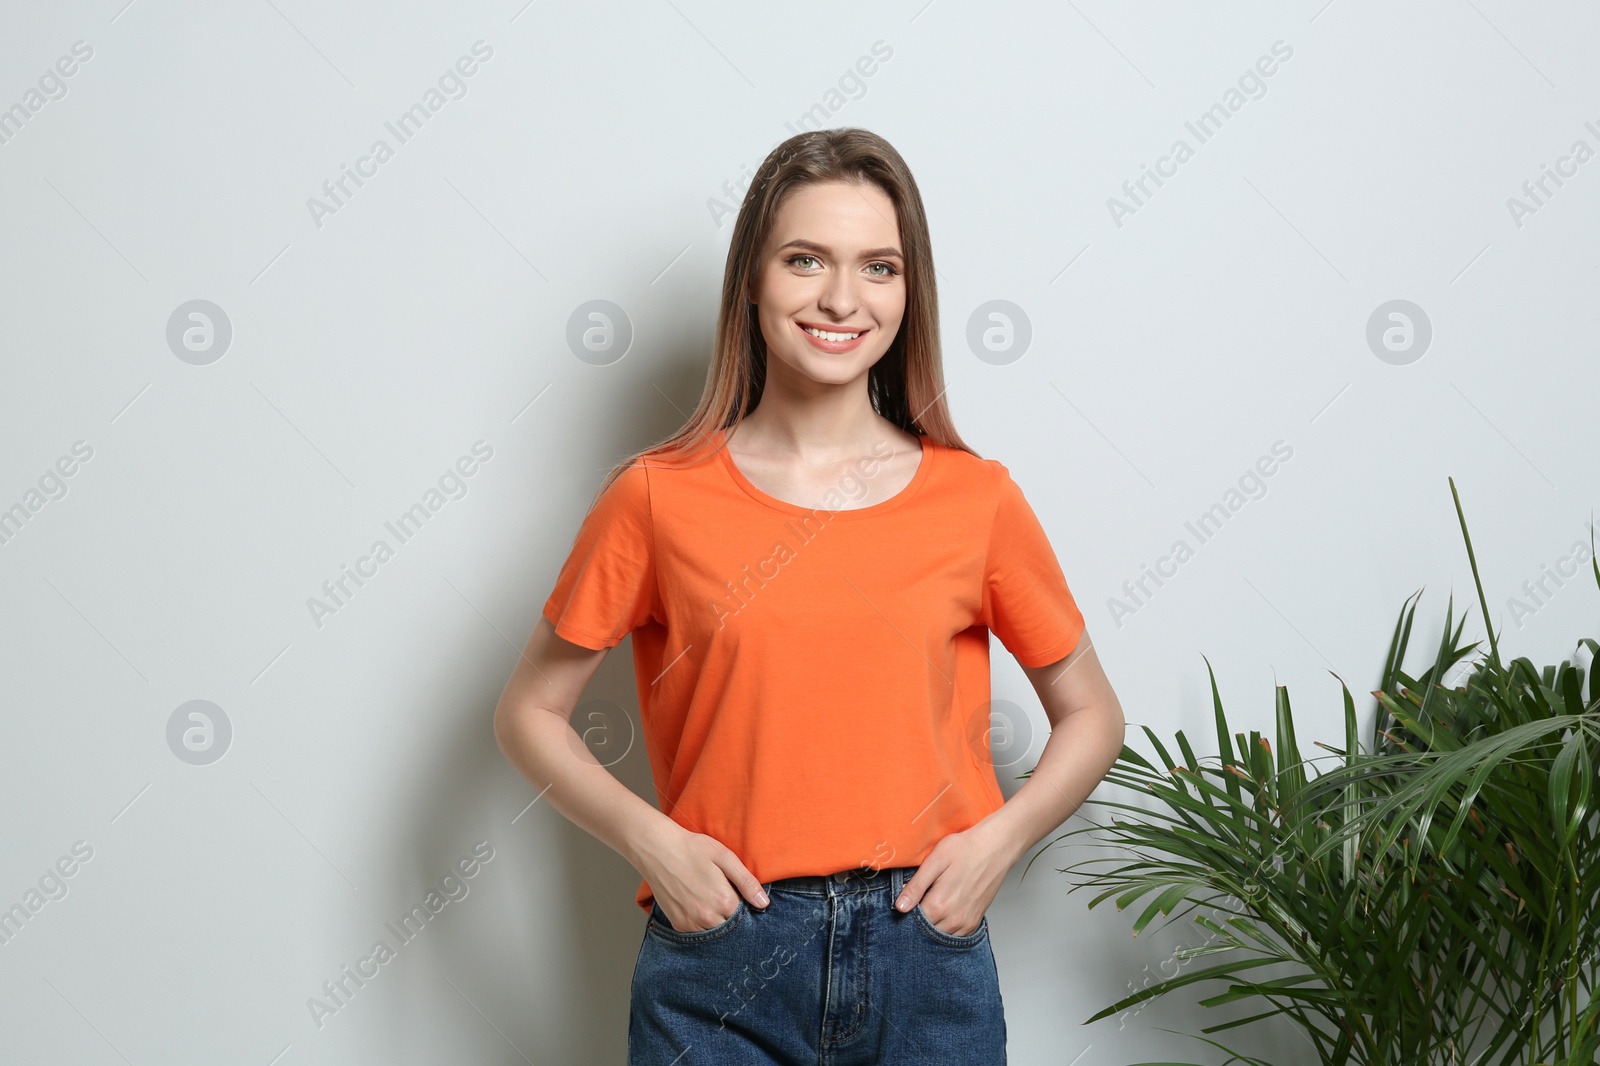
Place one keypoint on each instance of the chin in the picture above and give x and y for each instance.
(835, 371)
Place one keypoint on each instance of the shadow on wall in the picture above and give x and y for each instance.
(532, 948)
(541, 954)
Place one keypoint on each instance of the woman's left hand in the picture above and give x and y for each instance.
(959, 879)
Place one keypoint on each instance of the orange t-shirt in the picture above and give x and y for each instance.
(814, 684)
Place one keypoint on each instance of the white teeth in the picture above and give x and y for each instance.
(825, 335)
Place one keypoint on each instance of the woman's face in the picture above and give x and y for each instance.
(832, 262)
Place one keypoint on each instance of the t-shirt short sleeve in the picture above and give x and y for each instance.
(1026, 601)
(606, 587)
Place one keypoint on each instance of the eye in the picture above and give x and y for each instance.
(889, 270)
(793, 258)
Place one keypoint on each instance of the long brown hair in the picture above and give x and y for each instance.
(906, 386)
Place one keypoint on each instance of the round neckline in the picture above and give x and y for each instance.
(756, 493)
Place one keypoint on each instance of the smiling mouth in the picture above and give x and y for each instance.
(834, 336)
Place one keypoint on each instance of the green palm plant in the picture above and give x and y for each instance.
(1432, 897)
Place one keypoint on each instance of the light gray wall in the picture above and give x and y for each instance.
(373, 345)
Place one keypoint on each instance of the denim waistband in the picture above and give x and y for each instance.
(844, 882)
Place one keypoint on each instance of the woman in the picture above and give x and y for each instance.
(810, 569)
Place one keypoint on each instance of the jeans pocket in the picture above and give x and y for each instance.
(661, 926)
(939, 936)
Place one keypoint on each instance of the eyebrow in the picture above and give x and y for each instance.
(870, 253)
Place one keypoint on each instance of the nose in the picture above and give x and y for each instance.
(838, 297)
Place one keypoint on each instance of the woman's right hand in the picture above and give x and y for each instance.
(696, 879)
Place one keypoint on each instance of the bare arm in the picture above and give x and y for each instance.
(533, 725)
(965, 870)
(1086, 736)
(692, 875)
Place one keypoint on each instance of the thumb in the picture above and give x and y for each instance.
(912, 891)
(743, 881)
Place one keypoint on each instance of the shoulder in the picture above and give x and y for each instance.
(624, 493)
(629, 481)
(973, 474)
(657, 476)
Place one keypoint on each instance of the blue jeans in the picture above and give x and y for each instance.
(827, 974)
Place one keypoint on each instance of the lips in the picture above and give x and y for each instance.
(832, 347)
(829, 329)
